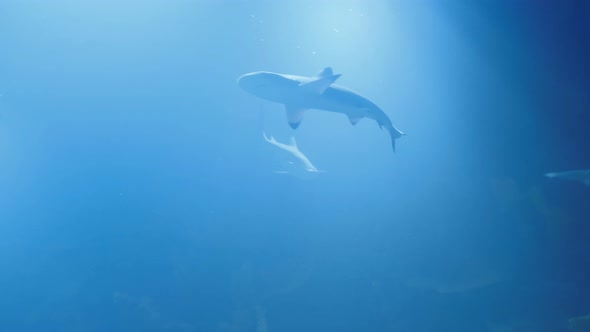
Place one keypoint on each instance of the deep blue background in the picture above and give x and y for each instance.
(137, 193)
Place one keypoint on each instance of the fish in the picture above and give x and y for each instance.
(582, 175)
(301, 93)
(300, 166)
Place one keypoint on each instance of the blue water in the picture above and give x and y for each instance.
(137, 192)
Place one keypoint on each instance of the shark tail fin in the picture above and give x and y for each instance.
(268, 139)
(395, 134)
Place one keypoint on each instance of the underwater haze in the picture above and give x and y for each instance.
(138, 192)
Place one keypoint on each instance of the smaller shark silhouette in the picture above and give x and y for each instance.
(582, 175)
(301, 167)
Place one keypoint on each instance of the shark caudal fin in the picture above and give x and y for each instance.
(395, 134)
(268, 139)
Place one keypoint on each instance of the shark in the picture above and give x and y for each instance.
(301, 93)
(301, 167)
(582, 175)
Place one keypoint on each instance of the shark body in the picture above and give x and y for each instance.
(299, 166)
(582, 175)
(300, 93)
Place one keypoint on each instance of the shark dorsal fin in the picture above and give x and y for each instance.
(320, 84)
(326, 72)
(292, 141)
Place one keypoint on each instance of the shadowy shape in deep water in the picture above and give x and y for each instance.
(457, 283)
(300, 93)
(582, 175)
(299, 166)
(579, 324)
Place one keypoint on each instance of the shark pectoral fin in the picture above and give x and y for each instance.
(294, 115)
(319, 85)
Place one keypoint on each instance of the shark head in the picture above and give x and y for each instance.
(267, 85)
